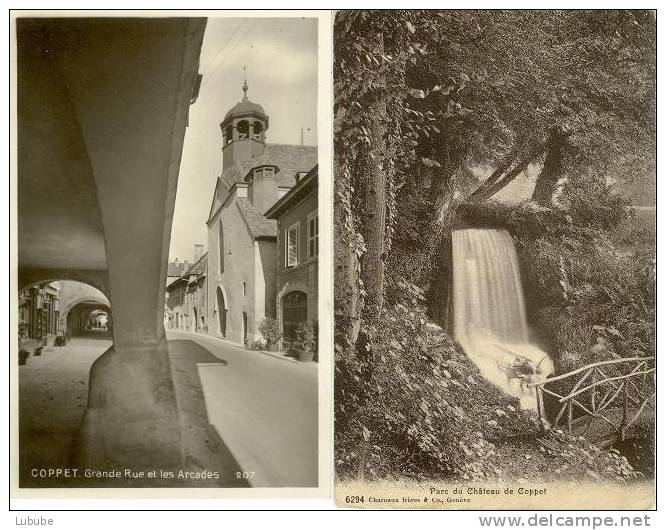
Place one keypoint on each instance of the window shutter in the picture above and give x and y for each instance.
(313, 235)
(292, 247)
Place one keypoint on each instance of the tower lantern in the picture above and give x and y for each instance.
(243, 130)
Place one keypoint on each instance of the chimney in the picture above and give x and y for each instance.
(198, 251)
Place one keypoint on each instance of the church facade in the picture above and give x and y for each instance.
(242, 260)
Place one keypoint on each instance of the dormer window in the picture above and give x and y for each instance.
(264, 172)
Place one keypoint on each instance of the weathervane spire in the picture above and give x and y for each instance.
(244, 84)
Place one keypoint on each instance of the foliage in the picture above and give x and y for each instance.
(416, 418)
(560, 456)
(431, 415)
(306, 335)
(270, 329)
(513, 75)
(259, 345)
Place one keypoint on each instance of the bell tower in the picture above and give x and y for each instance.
(243, 131)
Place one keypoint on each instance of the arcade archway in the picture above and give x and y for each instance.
(65, 326)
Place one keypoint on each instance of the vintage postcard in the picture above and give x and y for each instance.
(495, 259)
(168, 317)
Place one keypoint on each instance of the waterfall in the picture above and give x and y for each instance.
(489, 312)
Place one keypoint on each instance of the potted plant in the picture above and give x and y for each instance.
(23, 357)
(306, 335)
(270, 329)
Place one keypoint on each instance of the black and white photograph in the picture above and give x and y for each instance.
(495, 259)
(167, 251)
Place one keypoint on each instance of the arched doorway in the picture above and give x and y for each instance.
(244, 327)
(294, 311)
(221, 313)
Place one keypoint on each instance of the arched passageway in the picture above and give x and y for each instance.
(66, 328)
(89, 319)
(92, 118)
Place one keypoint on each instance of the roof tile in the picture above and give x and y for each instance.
(290, 159)
(259, 226)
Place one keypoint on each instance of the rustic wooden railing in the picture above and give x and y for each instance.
(617, 400)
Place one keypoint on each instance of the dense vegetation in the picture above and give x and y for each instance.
(435, 114)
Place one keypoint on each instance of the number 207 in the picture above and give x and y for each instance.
(244, 474)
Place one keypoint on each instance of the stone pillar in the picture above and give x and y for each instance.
(132, 108)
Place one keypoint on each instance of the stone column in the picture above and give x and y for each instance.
(132, 108)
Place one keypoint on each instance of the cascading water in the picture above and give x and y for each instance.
(489, 313)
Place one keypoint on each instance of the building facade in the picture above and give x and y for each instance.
(297, 220)
(39, 312)
(242, 241)
(175, 269)
(64, 306)
(186, 298)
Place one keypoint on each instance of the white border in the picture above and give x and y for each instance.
(195, 498)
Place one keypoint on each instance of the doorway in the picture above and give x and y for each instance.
(221, 313)
(294, 311)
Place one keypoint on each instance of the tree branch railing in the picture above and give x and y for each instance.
(598, 395)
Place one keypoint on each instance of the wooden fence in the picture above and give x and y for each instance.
(616, 392)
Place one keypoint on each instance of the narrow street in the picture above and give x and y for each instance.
(264, 409)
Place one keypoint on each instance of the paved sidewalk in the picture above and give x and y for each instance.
(53, 395)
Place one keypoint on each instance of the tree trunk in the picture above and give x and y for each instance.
(347, 298)
(553, 168)
(374, 215)
(504, 165)
(485, 191)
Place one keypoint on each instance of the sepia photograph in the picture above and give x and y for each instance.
(495, 259)
(459, 319)
(167, 251)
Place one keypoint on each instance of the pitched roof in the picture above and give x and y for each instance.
(259, 226)
(177, 269)
(199, 266)
(290, 159)
(189, 273)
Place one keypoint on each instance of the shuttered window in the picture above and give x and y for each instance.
(313, 235)
(291, 245)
